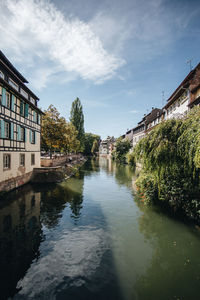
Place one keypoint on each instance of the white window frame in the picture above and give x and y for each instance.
(22, 159)
(6, 161)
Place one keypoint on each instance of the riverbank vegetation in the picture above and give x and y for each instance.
(170, 156)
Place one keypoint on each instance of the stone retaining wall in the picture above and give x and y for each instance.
(16, 182)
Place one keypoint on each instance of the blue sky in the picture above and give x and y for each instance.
(116, 56)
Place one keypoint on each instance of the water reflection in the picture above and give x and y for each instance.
(62, 248)
(88, 238)
(174, 270)
(20, 237)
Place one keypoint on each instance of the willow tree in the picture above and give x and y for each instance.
(77, 119)
(170, 155)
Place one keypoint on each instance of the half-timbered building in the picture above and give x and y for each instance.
(20, 127)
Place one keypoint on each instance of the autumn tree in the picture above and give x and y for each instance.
(77, 119)
(71, 144)
(52, 130)
(57, 133)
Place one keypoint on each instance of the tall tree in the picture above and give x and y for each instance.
(77, 119)
(53, 130)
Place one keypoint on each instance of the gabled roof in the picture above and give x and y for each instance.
(182, 86)
(154, 114)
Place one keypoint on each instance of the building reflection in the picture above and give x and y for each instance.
(20, 237)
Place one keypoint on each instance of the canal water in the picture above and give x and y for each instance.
(89, 238)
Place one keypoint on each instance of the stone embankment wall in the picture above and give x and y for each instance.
(59, 160)
(56, 173)
(13, 183)
(54, 170)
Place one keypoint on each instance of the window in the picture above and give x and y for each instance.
(8, 102)
(1, 75)
(32, 159)
(32, 100)
(32, 137)
(22, 134)
(22, 160)
(13, 84)
(6, 161)
(7, 130)
(24, 93)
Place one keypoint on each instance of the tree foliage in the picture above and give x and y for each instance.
(77, 119)
(95, 147)
(170, 155)
(56, 133)
(122, 147)
(89, 140)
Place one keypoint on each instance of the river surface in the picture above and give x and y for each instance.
(89, 238)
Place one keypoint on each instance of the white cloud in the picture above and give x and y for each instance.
(36, 33)
(134, 111)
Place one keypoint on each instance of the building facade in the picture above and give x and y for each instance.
(185, 97)
(107, 146)
(20, 128)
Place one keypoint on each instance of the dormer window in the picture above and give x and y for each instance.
(24, 93)
(1, 75)
(32, 100)
(13, 84)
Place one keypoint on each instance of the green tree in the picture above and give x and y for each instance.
(122, 147)
(95, 147)
(71, 143)
(171, 170)
(77, 119)
(53, 129)
(89, 139)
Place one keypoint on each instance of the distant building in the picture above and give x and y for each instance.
(20, 127)
(186, 96)
(106, 146)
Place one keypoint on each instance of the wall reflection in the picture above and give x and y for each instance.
(20, 237)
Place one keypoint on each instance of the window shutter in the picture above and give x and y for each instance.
(25, 135)
(30, 136)
(26, 110)
(21, 108)
(35, 137)
(4, 96)
(2, 129)
(11, 131)
(13, 103)
(18, 133)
